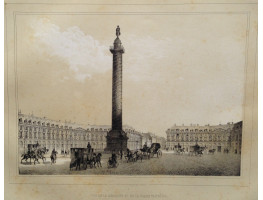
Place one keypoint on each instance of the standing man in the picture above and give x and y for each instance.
(145, 146)
(89, 147)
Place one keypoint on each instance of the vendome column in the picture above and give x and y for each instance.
(116, 137)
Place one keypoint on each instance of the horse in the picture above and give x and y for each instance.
(97, 160)
(25, 156)
(146, 152)
(89, 159)
(41, 153)
(131, 157)
(211, 151)
(30, 155)
(180, 151)
(199, 152)
(72, 164)
(139, 155)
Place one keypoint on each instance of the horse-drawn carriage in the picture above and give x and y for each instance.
(155, 149)
(149, 152)
(196, 150)
(84, 157)
(178, 149)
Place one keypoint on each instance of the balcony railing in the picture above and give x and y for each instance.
(119, 47)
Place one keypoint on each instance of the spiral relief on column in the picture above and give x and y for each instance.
(117, 92)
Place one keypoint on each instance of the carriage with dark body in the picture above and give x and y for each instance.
(155, 149)
(149, 152)
(196, 150)
(84, 158)
(80, 156)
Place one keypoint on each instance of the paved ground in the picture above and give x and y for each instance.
(168, 164)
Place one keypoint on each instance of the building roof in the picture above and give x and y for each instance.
(202, 128)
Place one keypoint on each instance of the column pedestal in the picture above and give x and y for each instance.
(116, 141)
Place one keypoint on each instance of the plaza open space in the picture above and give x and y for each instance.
(168, 164)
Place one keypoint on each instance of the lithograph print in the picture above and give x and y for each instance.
(101, 91)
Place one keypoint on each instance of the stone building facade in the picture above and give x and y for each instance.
(216, 137)
(236, 138)
(59, 135)
(65, 135)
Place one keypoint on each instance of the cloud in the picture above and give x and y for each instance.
(144, 55)
(83, 54)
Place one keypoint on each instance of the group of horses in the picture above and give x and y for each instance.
(36, 154)
(144, 153)
(195, 151)
(81, 159)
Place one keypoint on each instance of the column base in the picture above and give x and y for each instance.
(116, 141)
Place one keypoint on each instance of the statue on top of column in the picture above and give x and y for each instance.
(118, 33)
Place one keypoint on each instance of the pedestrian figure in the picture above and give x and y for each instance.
(89, 147)
(121, 153)
(114, 158)
(145, 146)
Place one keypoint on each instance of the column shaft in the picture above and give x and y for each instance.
(117, 92)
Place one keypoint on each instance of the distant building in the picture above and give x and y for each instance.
(146, 139)
(65, 135)
(150, 138)
(236, 138)
(134, 138)
(216, 137)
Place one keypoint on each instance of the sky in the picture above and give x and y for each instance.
(177, 69)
